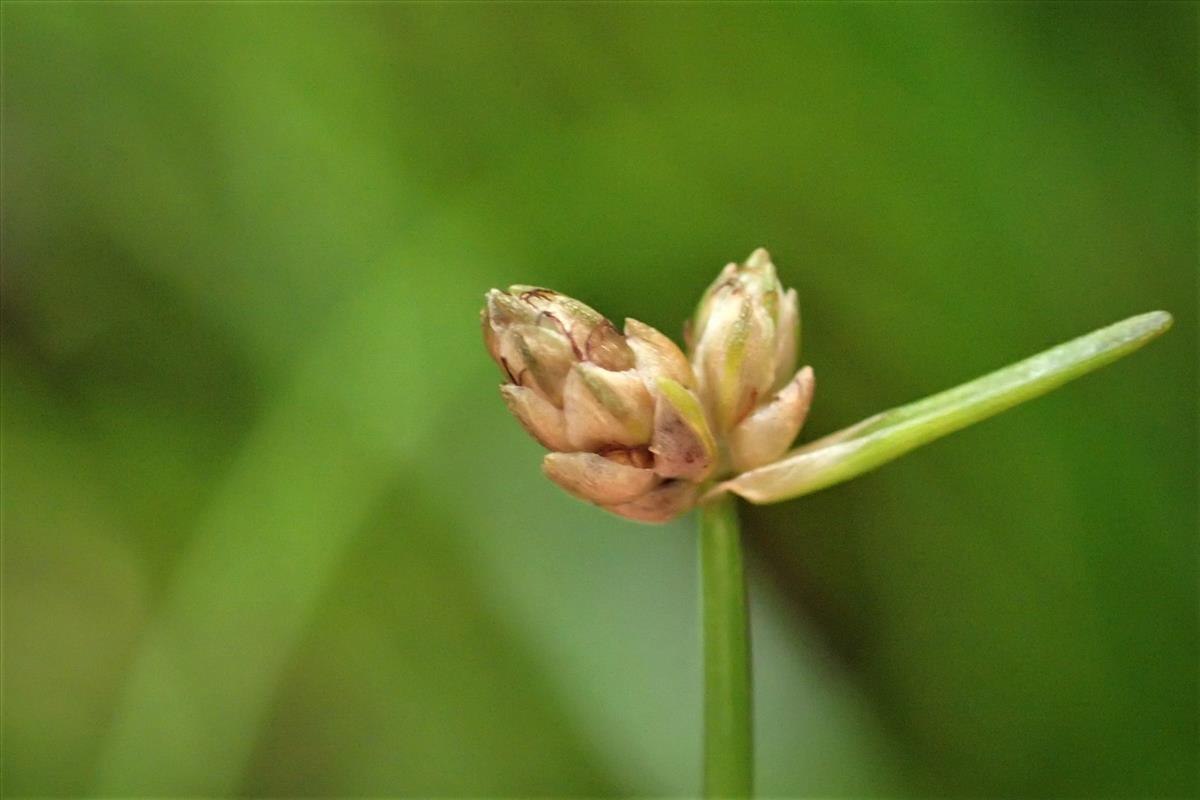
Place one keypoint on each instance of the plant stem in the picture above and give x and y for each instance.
(728, 743)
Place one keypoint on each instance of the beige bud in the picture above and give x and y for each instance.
(787, 339)
(606, 408)
(597, 479)
(619, 411)
(767, 433)
(538, 415)
(743, 334)
(655, 354)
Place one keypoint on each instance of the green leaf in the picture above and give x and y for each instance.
(883, 437)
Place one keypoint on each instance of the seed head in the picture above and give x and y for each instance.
(744, 340)
(618, 411)
(628, 418)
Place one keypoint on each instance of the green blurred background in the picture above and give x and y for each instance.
(269, 530)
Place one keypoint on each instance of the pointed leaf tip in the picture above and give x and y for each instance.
(883, 437)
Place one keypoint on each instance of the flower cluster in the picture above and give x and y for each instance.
(744, 340)
(634, 425)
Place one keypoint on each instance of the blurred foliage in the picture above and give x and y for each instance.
(269, 530)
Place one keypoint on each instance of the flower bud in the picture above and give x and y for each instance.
(768, 431)
(619, 411)
(744, 340)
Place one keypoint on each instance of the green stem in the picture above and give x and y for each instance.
(728, 744)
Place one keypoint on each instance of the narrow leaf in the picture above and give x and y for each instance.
(883, 437)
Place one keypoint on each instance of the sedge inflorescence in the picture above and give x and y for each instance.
(633, 423)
